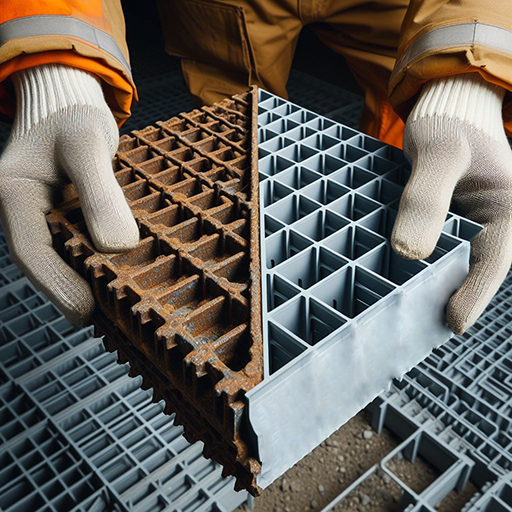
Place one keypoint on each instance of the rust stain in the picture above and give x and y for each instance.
(183, 308)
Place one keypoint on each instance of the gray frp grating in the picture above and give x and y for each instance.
(77, 433)
(337, 301)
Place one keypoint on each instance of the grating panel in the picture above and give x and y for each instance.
(336, 299)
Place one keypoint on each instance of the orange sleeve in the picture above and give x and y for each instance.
(85, 34)
(441, 38)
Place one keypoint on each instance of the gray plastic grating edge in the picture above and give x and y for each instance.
(78, 434)
(332, 288)
(467, 419)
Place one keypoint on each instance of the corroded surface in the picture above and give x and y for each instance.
(183, 308)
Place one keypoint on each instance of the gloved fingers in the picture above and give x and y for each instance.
(491, 257)
(87, 161)
(426, 198)
(485, 197)
(30, 244)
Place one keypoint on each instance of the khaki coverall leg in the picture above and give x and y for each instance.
(366, 34)
(228, 45)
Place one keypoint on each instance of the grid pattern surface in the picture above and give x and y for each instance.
(160, 97)
(325, 98)
(77, 433)
(332, 287)
(183, 307)
(329, 197)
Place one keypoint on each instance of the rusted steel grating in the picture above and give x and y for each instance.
(184, 306)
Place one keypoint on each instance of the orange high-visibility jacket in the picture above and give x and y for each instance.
(438, 38)
(85, 34)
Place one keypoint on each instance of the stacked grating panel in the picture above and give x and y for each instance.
(77, 433)
(184, 306)
(336, 299)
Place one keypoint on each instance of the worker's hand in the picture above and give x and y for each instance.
(455, 140)
(63, 130)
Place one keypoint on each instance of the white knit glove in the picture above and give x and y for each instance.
(63, 130)
(456, 142)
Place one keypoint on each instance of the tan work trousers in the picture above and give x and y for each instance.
(227, 45)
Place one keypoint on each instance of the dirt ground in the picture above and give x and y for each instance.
(323, 474)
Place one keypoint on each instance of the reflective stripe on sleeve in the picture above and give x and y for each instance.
(58, 25)
(455, 36)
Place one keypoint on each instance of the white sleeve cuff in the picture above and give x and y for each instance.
(467, 97)
(44, 90)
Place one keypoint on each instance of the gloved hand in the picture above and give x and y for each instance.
(63, 130)
(455, 140)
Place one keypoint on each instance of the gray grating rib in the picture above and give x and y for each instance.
(77, 433)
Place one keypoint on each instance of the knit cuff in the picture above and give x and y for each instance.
(44, 90)
(467, 97)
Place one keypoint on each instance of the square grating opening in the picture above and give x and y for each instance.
(388, 264)
(311, 266)
(292, 209)
(354, 206)
(283, 246)
(353, 242)
(321, 225)
(325, 191)
(279, 291)
(283, 347)
(352, 291)
(298, 177)
(308, 319)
